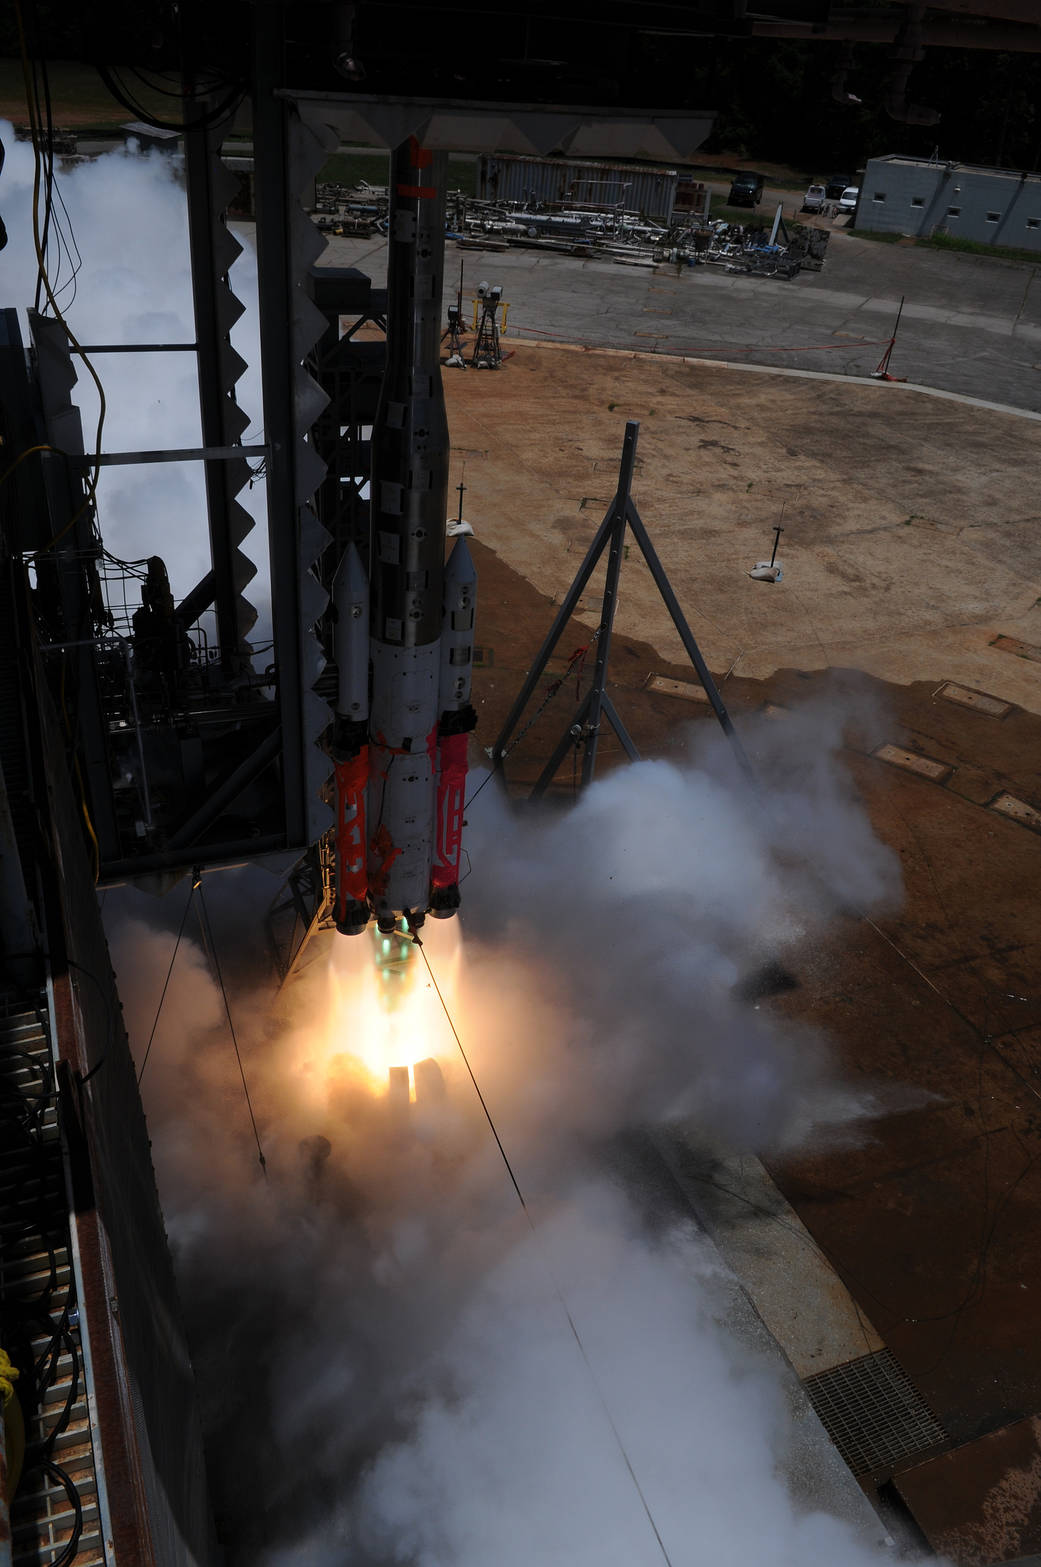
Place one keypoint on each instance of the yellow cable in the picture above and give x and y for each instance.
(14, 1426)
(8, 1377)
(89, 825)
(43, 447)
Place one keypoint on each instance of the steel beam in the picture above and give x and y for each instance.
(213, 250)
(270, 141)
(224, 792)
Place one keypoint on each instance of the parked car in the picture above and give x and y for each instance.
(848, 200)
(746, 190)
(835, 184)
(814, 199)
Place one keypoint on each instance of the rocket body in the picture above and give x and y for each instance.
(402, 668)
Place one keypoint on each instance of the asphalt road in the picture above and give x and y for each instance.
(970, 324)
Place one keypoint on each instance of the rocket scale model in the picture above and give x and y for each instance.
(403, 637)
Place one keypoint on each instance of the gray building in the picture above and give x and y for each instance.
(921, 196)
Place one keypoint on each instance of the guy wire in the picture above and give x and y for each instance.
(556, 1287)
(166, 982)
(208, 942)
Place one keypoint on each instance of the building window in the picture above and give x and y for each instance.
(993, 217)
(918, 201)
(879, 195)
(1033, 223)
(954, 212)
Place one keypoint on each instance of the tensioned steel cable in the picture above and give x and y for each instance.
(207, 936)
(166, 983)
(556, 1287)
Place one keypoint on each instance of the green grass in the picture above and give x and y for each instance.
(781, 178)
(80, 99)
(967, 247)
(763, 214)
(974, 247)
(347, 168)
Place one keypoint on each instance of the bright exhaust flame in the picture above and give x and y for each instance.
(383, 1016)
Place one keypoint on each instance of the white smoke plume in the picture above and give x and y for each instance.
(383, 1335)
(128, 215)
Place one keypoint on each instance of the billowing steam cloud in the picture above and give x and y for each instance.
(398, 1363)
(127, 214)
(383, 1335)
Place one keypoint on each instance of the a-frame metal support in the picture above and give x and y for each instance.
(585, 726)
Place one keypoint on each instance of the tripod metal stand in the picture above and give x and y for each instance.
(584, 728)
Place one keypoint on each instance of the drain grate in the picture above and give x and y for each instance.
(873, 1412)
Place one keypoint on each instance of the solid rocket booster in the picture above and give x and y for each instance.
(350, 595)
(420, 618)
(457, 720)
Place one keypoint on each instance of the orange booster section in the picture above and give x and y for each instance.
(451, 792)
(352, 778)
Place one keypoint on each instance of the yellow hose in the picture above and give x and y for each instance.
(14, 1425)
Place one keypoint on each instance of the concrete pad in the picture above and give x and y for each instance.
(679, 688)
(975, 700)
(1019, 648)
(926, 766)
(801, 1300)
(910, 529)
(1017, 810)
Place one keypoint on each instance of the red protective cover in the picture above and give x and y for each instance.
(451, 790)
(351, 879)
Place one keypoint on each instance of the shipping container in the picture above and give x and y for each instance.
(576, 184)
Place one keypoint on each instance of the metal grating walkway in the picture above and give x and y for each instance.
(54, 1517)
(873, 1413)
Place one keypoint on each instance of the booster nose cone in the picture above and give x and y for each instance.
(460, 568)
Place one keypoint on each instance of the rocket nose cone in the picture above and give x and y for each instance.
(460, 564)
(349, 576)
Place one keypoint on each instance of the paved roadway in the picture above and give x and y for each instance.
(970, 324)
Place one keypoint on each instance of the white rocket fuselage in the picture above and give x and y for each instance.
(419, 651)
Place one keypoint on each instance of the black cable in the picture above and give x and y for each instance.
(17, 1096)
(207, 936)
(47, 164)
(486, 779)
(203, 89)
(202, 122)
(166, 982)
(65, 1480)
(71, 246)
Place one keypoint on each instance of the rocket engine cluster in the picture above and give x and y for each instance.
(404, 629)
